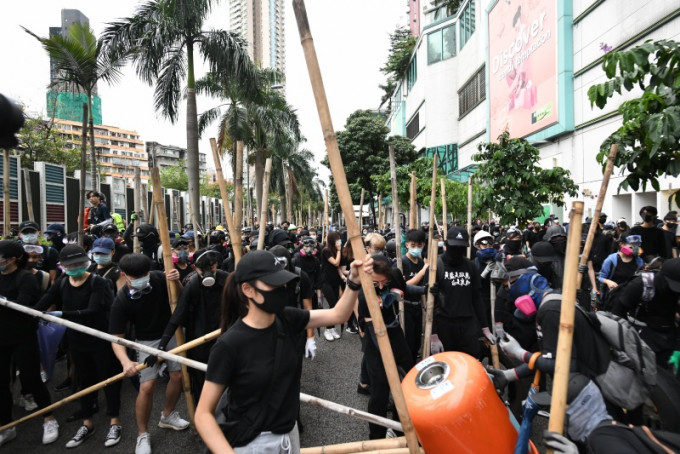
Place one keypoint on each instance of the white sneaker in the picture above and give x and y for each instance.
(43, 376)
(335, 334)
(50, 431)
(390, 434)
(143, 444)
(173, 421)
(113, 437)
(328, 334)
(28, 402)
(8, 435)
(83, 434)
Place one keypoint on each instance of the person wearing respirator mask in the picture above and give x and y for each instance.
(199, 310)
(180, 258)
(653, 239)
(620, 266)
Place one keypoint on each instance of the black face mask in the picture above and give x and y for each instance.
(274, 300)
(456, 254)
(513, 247)
(560, 245)
(648, 217)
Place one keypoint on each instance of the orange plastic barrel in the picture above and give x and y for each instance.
(454, 407)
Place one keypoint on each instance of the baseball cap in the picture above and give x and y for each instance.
(11, 248)
(543, 252)
(263, 266)
(671, 271)
(109, 227)
(292, 227)
(28, 225)
(103, 245)
(55, 228)
(72, 253)
(457, 236)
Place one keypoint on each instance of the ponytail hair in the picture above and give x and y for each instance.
(234, 303)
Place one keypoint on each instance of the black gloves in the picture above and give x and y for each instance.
(150, 360)
(434, 289)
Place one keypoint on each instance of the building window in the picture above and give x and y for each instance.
(466, 21)
(413, 128)
(447, 157)
(412, 75)
(441, 44)
(472, 93)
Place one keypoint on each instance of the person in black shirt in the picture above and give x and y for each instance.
(670, 227)
(29, 233)
(180, 258)
(55, 234)
(143, 301)
(331, 280)
(111, 231)
(103, 251)
(99, 213)
(255, 357)
(83, 298)
(414, 270)
(653, 239)
(18, 340)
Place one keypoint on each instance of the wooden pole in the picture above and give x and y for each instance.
(103, 384)
(361, 210)
(444, 222)
(380, 213)
(265, 201)
(359, 414)
(469, 214)
(558, 402)
(29, 194)
(6, 202)
(412, 220)
(432, 270)
(494, 348)
(325, 218)
(173, 290)
(354, 234)
(234, 233)
(613, 150)
(136, 247)
(356, 446)
(395, 208)
(83, 179)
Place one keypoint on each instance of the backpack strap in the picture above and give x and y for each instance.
(45, 280)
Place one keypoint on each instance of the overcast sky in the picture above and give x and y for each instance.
(351, 38)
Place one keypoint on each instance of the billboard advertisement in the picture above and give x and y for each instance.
(522, 66)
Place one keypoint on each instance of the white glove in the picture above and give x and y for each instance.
(490, 337)
(559, 443)
(310, 348)
(498, 329)
(436, 345)
(511, 347)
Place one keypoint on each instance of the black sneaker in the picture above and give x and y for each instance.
(113, 437)
(83, 434)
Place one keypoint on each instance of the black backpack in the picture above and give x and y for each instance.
(648, 292)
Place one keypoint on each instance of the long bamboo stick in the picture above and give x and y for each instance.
(469, 215)
(558, 402)
(325, 218)
(395, 208)
(356, 446)
(379, 224)
(495, 360)
(444, 216)
(173, 290)
(390, 451)
(182, 348)
(361, 209)
(265, 201)
(412, 221)
(354, 233)
(234, 232)
(432, 257)
(613, 150)
(359, 414)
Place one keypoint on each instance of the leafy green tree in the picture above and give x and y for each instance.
(79, 61)
(511, 183)
(175, 177)
(402, 44)
(649, 137)
(39, 140)
(164, 39)
(364, 150)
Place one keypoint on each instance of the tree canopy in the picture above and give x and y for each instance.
(398, 57)
(39, 140)
(649, 138)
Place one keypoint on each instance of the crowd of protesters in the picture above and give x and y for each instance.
(273, 304)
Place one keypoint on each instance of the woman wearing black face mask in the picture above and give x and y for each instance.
(256, 358)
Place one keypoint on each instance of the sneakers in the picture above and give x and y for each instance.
(328, 334)
(143, 444)
(173, 421)
(8, 435)
(50, 431)
(43, 376)
(83, 434)
(335, 334)
(390, 434)
(352, 329)
(113, 437)
(28, 402)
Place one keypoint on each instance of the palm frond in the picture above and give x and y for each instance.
(169, 82)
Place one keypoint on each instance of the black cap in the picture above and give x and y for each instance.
(516, 266)
(55, 228)
(263, 266)
(107, 227)
(671, 271)
(180, 241)
(72, 253)
(145, 231)
(28, 225)
(457, 236)
(278, 236)
(11, 248)
(543, 252)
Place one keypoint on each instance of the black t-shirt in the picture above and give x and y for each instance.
(410, 269)
(149, 314)
(184, 272)
(83, 304)
(653, 240)
(50, 258)
(243, 360)
(389, 313)
(624, 271)
(460, 293)
(299, 289)
(311, 265)
(110, 271)
(98, 214)
(670, 243)
(328, 270)
(19, 287)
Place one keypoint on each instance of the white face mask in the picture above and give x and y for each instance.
(30, 238)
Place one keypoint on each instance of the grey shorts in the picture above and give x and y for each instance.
(151, 373)
(270, 443)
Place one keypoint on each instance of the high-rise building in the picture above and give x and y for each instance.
(262, 24)
(163, 156)
(66, 102)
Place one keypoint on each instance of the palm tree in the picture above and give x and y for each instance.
(162, 39)
(79, 62)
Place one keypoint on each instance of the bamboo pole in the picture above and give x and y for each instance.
(613, 150)
(494, 347)
(265, 201)
(444, 216)
(359, 414)
(136, 247)
(173, 290)
(558, 402)
(390, 451)
(234, 233)
(354, 233)
(432, 257)
(469, 215)
(357, 446)
(412, 221)
(395, 208)
(83, 180)
(325, 218)
(380, 213)
(96, 387)
(361, 209)
(29, 194)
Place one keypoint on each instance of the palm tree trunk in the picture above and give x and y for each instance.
(289, 195)
(83, 162)
(259, 173)
(93, 153)
(238, 187)
(192, 135)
